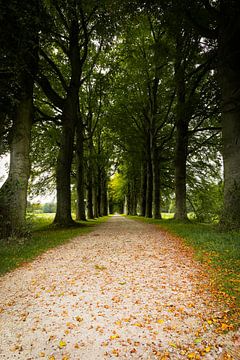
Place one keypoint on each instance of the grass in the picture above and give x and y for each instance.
(14, 253)
(220, 250)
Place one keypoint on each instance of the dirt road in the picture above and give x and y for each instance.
(126, 290)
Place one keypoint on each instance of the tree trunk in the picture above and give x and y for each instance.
(132, 207)
(180, 168)
(99, 192)
(149, 189)
(156, 185)
(90, 214)
(143, 189)
(104, 198)
(181, 148)
(229, 58)
(13, 194)
(63, 172)
(81, 214)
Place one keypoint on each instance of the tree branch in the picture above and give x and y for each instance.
(52, 95)
(55, 69)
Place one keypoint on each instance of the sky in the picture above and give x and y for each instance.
(4, 165)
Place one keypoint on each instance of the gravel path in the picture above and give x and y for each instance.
(126, 290)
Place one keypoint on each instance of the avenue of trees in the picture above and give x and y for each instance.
(121, 106)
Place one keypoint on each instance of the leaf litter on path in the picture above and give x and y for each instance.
(127, 291)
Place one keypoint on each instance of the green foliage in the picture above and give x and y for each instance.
(16, 252)
(206, 201)
(117, 191)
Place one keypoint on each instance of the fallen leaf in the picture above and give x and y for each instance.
(62, 344)
(79, 318)
(198, 341)
(100, 267)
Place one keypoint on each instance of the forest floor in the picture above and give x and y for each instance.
(126, 290)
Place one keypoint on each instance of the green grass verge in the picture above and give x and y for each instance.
(220, 250)
(43, 237)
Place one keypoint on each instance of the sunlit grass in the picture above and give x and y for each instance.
(43, 237)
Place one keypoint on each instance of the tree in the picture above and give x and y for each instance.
(220, 23)
(20, 53)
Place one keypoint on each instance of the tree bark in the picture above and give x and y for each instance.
(149, 189)
(90, 214)
(143, 189)
(104, 198)
(181, 149)
(13, 194)
(156, 184)
(229, 75)
(95, 202)
(81, 213)
(64, 162)
(181, 168)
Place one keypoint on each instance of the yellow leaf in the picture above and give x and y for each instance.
(172, 344)
(209, 322)
(118, 322)
(115, 336)
(160, 321)
(208, 349)
(100, 267)
(138, 324)
(42, 354)
(115, 352)
(51, 357)
(62, 344)
(65, 357)
(224, 326)
(191, 356)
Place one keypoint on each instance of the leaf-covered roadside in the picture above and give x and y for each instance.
(218, 250)
(126, 291)
(15, 253)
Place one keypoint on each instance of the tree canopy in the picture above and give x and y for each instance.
(121, 106)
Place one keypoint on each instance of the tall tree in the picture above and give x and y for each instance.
(19, 40)
(220, 23)
(71, 27)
